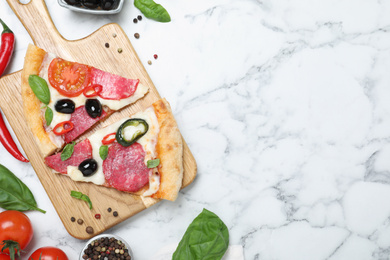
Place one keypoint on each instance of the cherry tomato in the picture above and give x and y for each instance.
(48, 253)
(15, 226)
(68, 78)
(4, 257)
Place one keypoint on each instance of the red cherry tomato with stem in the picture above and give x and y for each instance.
(48, 253)
(16, 231)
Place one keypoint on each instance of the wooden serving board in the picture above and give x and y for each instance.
(92, 51)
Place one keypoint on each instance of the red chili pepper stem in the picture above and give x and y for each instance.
(8, 142)
(6, 29)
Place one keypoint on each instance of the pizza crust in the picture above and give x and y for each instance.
(169, 150)
(31, 104)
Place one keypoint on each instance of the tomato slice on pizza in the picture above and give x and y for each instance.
(141, 154)
(63, 99)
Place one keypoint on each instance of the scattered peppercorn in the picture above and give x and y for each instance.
(149, 62)
(136, 35)
(97, 216)
(107, 45)
(80, 221)
(114, 35)
(115, 213)
(155, 56)
(139, 17)
(135, 20)
(109, 209)
(89, 230)
(120, 50)
(72, 219)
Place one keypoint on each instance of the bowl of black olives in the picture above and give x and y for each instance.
(93, 6)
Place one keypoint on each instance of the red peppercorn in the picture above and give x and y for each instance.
(155, 56)
(97, 216)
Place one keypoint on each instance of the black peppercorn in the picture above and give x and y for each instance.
(135, 20)
(139, 17)
(115, 213)
(136, 35)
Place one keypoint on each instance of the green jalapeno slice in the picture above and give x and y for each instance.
(138, 133)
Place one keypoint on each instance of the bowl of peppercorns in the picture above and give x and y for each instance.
(93, 6)
(106, 247)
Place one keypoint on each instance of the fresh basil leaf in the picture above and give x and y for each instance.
(68, 151)
(153, 163)
(207, 237)
(40, 88)
(81, 196)
(48, 116)
(103, 152)
(152, 10)
(14, 194)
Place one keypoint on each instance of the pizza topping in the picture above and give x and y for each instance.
(108, 139)
(82, 122)
(63, 127)
(131, 130)
(153, 163)
(65, 106)
(93, 107)
(67, 152)
(124, 168)
(115, 87)
(48, 116)
(81, 151)
(40, 88)
(69, 78)
(103, 152)
(93, 90)
(88, 167)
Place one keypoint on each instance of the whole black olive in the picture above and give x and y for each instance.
(73, 2)
(65, 106)
(109, 4)
(93, 107)
(88, 167)
(90, 4)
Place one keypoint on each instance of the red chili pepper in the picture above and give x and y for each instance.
(7, 46)
(108, 139)
(63, 127)
(8, 142)
(93, 90)
(6, 50)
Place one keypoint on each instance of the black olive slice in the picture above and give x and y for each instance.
(93, 107)
(65, 106)
(88, 167)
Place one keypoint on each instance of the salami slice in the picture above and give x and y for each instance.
(115, 87)
(124, 167)
(82, 151)
(82, 122)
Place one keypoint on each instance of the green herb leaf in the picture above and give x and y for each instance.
(14, 194)
(40, 88)
(103, 152)
(48, 116)
(68, 151)
(81, 196)
(153, 163)
(152, 10)
(207, 237)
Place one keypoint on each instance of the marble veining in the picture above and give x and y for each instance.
(285, 106)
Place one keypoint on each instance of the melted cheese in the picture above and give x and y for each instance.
(148, 142)
(79, 100)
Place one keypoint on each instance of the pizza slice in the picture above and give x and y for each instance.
(63, 99)
(141, 154)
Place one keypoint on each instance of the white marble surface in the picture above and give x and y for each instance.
(286, 108)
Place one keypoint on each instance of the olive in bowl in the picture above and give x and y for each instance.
(93, 6)
(106, 245)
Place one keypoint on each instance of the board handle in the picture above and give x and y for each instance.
(36, 19)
